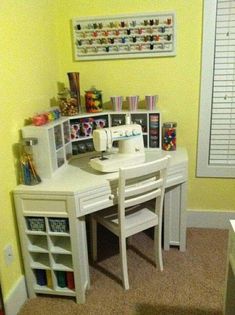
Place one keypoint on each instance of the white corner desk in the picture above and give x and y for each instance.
(71, 194)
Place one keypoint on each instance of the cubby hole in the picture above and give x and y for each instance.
(66, 128)
(60, 245)
(58, 137)
(37, 243)
(62, 262)
(154, 128)
(65, 279)
(140, 119)
(118, 119)
(43, 278)
(60, 157)
(39, 260)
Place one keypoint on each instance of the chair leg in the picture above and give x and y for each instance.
(158, 247)
(93, 239)
(123, 258)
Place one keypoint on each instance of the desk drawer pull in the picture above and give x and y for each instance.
(111, 197)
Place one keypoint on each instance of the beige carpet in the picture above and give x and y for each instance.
(192, 282)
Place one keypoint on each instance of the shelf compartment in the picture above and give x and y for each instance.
(60, 245)
(84, 146)
(40, 277)
(140, 119)
(37, 243)
(62, 262)
(68, 151)
(118, 119)
(145, 138)
(39, 260)
(66, 128)
(60, 157)
(154, 130)
(58, 137)
(65, 280)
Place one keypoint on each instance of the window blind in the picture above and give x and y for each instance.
(216, 139)
(222, 131)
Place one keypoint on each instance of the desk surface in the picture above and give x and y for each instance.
(78, 176)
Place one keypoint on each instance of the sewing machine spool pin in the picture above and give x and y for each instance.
(102, 157)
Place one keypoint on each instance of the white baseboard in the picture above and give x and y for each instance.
(218, 219)
(16, 298)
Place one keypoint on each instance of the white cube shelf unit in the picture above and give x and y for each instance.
(83, 125)
(54, 147)
(51, 248)
(124, 36)
(58, 141)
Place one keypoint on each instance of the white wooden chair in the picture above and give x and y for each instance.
(136, 186)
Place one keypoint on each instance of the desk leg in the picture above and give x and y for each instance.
(79, 251)
(175, 217)
(167, 219)
(183, 217)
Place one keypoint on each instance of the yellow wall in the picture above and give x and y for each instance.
(175, 79)
(28, 75)
(36, 53)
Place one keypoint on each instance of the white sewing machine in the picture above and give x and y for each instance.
(130, 147)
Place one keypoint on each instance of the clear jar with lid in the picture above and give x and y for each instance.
(29, 174)
(169, 136)
(68, 104)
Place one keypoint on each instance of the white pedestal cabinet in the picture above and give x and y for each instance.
(52, 245)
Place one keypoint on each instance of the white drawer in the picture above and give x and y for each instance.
(42, 205)
(95, 201)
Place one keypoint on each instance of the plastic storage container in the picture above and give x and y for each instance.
(93, 100)
(169, 136)
(29, 175)
(68, 104)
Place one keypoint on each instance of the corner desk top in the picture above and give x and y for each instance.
(78, 176)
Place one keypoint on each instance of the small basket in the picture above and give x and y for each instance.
(36, 224)
(60, 225)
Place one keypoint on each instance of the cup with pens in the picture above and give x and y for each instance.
(28, 170)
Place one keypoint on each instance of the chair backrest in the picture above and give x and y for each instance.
(141, 183)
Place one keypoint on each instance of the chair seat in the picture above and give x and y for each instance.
(137, 219)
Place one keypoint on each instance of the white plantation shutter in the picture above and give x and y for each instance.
(216, 144)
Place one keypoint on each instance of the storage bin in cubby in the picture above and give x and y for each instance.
(36, 224)
(59, 225)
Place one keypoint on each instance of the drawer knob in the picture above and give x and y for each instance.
(111, 197)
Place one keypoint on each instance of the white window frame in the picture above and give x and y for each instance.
(204, 169)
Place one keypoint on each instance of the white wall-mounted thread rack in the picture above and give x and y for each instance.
(124, 36)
